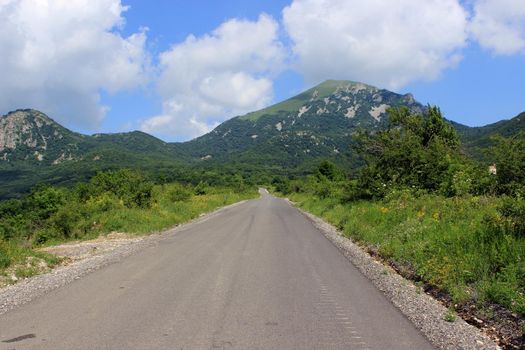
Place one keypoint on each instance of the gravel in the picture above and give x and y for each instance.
(425, 312)
(86, 260)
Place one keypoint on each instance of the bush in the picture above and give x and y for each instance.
(201, 189)
(67, 220)
(415, 151)
(281, 185)
(5, 260)
(128, 185)
(178, 193)
(44, 201)
(511, 219)
(509, 155)
(45, 235)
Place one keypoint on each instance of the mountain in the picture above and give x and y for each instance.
(476, 140)
(287, 138)
(34, 148)
(317, 123)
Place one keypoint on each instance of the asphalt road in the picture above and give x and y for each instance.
(256, 276)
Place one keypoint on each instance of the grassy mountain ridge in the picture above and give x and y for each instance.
(477, 139)
(315, 124)
(34, 148)
(288, 137)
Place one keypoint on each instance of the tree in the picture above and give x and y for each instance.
(330, 171)
(128, 185)
(509, 157)
(415, 151)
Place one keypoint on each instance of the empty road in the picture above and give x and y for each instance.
(257, 276)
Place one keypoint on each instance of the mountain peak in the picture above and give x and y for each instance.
(20, 115)
(329, 87)
(30, 134)
(343, 93)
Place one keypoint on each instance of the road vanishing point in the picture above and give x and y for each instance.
(258, 275)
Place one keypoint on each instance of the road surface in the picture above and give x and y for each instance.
(257, 276)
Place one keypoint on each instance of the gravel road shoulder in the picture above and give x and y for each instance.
(425, 312)
(85, 257)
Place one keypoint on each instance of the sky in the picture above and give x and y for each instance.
(176, 69)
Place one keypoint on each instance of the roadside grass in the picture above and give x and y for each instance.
(165, 213)
(444, 242)
(18, 262)
(172, 204)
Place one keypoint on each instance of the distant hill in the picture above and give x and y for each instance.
(34, 148)
(476, 140)
(287, 138)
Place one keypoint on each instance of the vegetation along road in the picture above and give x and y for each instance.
(257, 276)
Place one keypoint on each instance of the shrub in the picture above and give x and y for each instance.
(66, 220)
(512, 212)
(45, 235)
(5, 260)
(509, 155)
(281, 184)
(178, 193)
(44, 201)
(128, 185)
(201, 189)
(415, 151)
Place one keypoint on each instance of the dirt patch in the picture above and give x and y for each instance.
(74, 251)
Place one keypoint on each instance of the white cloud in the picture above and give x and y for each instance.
(387, 43)
(208, 79)
(58, 54)
(499, 25)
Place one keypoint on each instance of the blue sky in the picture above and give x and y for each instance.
(177, 68)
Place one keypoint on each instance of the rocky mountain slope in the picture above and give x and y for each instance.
(34, 148)
(291, 136)
(315, 124)
(31, 136)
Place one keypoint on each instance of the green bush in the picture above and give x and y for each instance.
(5, 260)
(509, 156)
(44, 201)
(201, 189)
(46, 235)
(281, 185)
(128, 185)
(178, 193)
(67, 221)
(415, 151)
(510, 219)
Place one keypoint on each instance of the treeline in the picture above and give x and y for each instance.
(421, 155)
(50, 214)
(424, 205)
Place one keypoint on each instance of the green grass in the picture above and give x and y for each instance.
(22, 262)
(291, 105)
(450, 316)
(172, 204)
(442, 241)
(295, 103)
(165, 213)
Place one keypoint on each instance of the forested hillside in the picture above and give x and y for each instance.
(286, 139)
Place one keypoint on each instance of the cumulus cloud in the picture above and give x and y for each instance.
(499, 25)
(205, 80)
(387, 43)
(57, 55)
